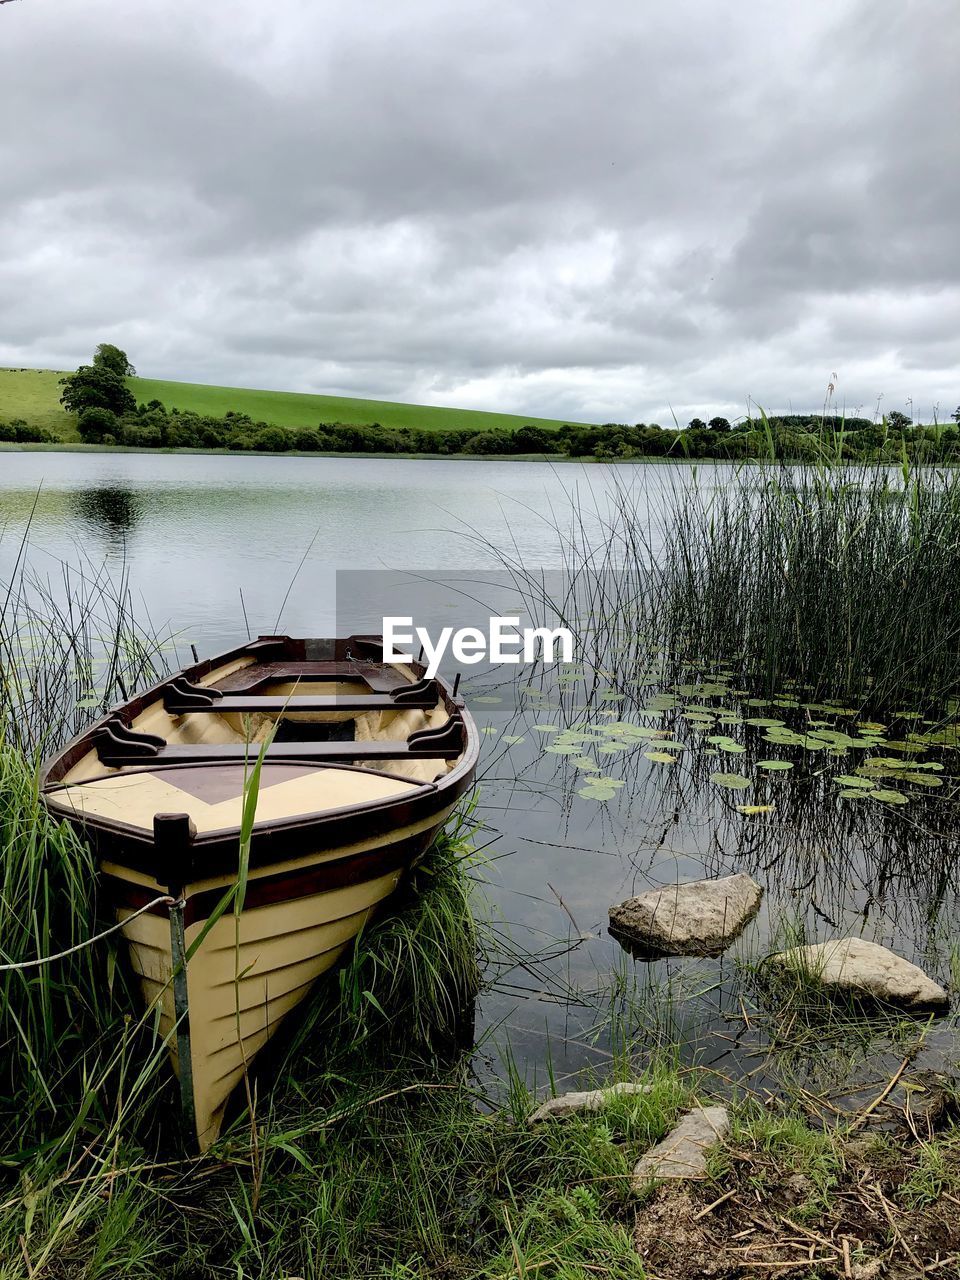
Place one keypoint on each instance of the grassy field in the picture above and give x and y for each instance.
(34, 396)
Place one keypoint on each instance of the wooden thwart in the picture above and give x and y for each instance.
(116, 745)
(180, 697)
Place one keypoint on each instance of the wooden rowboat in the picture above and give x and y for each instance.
(366, 764)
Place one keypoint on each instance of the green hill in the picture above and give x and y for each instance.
(34, 396)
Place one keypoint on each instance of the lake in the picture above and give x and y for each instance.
(217, 547)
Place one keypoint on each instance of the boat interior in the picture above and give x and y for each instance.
(344, 733)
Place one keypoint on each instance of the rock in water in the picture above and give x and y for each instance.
(864, 968)
(571, 1104)
(699, 918)
(683, 1152)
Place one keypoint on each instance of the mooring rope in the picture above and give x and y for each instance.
(164, 900)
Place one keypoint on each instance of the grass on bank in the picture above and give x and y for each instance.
(34, 396)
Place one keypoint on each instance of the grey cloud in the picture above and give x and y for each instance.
(539, 208)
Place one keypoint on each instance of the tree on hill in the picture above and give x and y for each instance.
(107, 356)
(93, 388)
(101, 385)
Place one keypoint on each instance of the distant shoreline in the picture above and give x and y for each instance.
(61, 446)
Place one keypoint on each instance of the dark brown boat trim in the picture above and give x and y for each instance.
(280, 839)
(217, 852)
(284, 886)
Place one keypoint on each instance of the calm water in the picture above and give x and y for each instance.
(193, 532)
(196, 530)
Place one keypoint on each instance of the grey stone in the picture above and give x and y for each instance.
(864, 968)
(701, 917)
(683, 1152)
(571, 1104)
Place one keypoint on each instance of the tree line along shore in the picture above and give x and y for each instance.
(106, 413)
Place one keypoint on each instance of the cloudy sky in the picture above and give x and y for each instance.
(621, 210)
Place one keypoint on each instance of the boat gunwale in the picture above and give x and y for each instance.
(331, 826)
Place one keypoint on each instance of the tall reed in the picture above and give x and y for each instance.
(842, 580)
(71, 645)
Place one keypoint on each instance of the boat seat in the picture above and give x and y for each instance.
(180, 697)
(378, 679)
(117, 745)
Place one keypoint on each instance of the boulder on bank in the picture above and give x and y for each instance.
(861, 968)
(571, 1104)
(683, 1152)
(699, 918)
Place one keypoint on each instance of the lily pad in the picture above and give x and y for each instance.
(661, 757)
(889, 797)
(596, 793)
(775, 764)
(754, 808)
(732, 781)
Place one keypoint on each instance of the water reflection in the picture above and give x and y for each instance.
(112, 510)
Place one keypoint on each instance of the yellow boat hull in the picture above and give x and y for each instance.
(372, 762)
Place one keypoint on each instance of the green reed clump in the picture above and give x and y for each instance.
(840, 579)
(74, 1045)
(70, 647)
(66, 1032)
